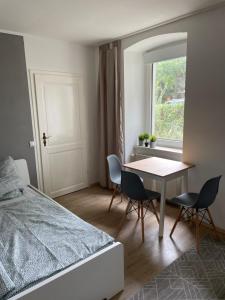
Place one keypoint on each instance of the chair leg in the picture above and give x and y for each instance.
(177, 220)
(192, 215)
(124, 218)
(212, 222)
(154, 211)
(197, 231)
(113, 196)
(128, 206)
(121, 197)
(139, 210)
(142, 222)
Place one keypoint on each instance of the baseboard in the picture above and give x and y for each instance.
(94, 184)
(97, 184)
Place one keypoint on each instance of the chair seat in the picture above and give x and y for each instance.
(152, 195)
(186, 199)
(117, 180)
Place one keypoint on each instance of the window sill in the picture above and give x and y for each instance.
(163, 152)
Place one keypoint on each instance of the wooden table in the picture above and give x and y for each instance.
(163, 170)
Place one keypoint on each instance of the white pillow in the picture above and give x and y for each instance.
(11, 185)
(7, 167)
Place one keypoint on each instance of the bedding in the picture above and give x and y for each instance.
(7, 167)
(11, 185)
(12, 194)
(6, 284)
(38, 238)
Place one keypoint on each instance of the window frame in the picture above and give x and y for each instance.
(160, 54)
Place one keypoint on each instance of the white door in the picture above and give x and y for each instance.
(60, 118)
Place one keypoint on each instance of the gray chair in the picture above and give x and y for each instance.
(115, 168)
(140, 199)
(197, 205)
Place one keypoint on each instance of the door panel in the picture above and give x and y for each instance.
(63, 113)
(72, 176)
(60, 116)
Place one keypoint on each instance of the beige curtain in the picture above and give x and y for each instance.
(110, 105)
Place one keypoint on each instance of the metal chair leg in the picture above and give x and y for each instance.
(177, 220)
(113, 196)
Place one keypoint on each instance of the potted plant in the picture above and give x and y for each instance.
(146, 137)
(141, 139)
(153, 140)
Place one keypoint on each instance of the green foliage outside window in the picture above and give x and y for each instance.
(169, 95)
(170, 79)
(169, 121)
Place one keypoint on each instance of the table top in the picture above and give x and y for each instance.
(158, 166)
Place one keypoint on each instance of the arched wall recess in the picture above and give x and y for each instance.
(136, 106)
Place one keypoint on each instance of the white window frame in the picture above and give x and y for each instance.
(160, 54)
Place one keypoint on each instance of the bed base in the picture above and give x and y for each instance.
(98, 277)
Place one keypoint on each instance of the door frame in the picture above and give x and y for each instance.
(34, 116)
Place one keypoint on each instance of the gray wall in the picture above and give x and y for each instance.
(15, 115)
(204, 123)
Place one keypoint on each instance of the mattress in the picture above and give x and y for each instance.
(39, 238)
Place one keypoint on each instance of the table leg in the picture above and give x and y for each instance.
(162, 207)
(185, 182)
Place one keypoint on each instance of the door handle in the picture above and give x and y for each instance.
(44, 138)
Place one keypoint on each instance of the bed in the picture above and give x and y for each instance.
(89, 264)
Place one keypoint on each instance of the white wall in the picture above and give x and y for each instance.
(166, 52)
(59, 56)
(134, 95)
(204, 127)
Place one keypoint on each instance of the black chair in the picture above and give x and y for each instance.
(139, 198)
(197, 205)
(115, 168)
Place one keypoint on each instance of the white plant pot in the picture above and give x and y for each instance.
(152, 144)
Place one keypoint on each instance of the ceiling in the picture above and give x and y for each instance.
(91, 21)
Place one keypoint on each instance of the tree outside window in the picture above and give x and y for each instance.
(168, 98)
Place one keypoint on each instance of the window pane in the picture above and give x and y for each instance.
(168, 98)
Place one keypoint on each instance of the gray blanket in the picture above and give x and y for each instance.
(39, 238)
(6, 284)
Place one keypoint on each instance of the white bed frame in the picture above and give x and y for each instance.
(98, 277)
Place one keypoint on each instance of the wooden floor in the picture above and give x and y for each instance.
(142, 261)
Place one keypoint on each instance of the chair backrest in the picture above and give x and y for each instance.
(132, 186)
(208, 193)
(115, 167)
